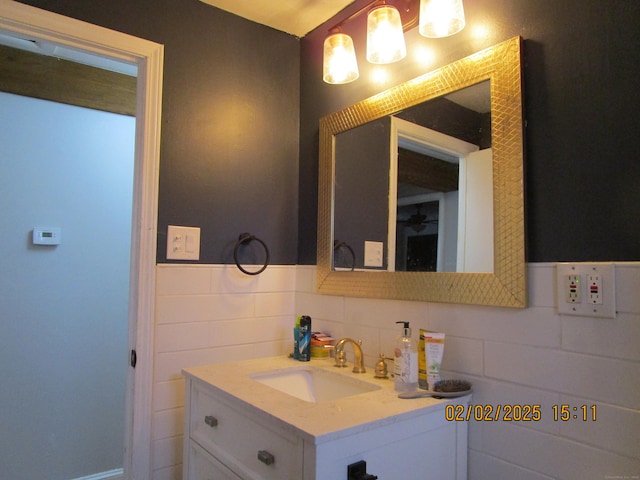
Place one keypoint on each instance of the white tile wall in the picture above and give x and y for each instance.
(207, 314)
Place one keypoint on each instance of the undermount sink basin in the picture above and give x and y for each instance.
(313, 384)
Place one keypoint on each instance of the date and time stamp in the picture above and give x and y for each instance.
(520, 413)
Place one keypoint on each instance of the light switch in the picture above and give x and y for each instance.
(183, 243)
(373, 254)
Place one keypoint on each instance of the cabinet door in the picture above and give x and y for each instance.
(426, 447)
(203, 466)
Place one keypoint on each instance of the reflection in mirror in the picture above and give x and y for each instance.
(425, 183)
(343, 256)
(444, 170)
(362, 189)
(389, 168)
(424, 236)
(434, 166)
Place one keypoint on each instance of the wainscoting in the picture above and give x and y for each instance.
(212, 313)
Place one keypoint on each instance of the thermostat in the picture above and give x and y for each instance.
(46, 236)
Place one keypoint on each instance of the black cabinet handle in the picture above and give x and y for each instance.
(211, 421)
(266, 458)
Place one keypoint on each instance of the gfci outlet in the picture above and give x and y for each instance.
(586, 289)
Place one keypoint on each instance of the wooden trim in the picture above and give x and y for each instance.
(50, 78)
(426, 172)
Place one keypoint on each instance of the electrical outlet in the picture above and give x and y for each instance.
(595, 287)
(572, 289)
(586, 289)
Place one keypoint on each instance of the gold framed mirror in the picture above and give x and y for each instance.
(506, 284)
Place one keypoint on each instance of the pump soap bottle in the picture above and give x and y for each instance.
(406, 361)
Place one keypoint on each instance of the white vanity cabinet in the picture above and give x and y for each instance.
(238, 429)
(234, 442)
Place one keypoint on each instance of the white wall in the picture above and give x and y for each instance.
(532, 356)
(63, 309)
(475, 248)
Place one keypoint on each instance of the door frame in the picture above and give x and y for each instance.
(36, 24)
(427, 141)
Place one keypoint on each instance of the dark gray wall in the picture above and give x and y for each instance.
(583, 126)
(362, 210)
(230, 121)
(446, 117)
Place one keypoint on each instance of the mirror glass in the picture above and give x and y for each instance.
(419, 184)
(421, 187)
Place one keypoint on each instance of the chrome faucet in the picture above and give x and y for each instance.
(358, 362)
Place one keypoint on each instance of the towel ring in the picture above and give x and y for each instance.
(247, 238)
(338, 245)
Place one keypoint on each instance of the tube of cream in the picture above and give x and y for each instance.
(433, 352)
(422, 362)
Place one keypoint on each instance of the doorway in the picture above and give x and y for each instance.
(34, 24)
(66, 176)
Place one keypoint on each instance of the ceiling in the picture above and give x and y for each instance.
(297, 17)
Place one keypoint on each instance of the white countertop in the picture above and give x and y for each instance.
(322, 421)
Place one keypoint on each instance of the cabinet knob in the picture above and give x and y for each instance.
(266, 458)
(211, 421)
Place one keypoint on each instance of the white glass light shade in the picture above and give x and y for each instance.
(385, 39)
(441, 18)
(340, 64)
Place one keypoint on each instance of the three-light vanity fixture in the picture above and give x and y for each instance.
(385, 34)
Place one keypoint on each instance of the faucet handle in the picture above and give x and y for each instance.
(381, 367)
(339, 355)
(341, 358)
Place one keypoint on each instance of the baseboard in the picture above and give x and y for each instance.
(117, 474)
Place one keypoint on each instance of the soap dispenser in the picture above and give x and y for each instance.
(406, 361)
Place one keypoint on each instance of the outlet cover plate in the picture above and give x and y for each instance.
(584, 308)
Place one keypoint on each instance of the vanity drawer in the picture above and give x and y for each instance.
(241, 441)
(204, 467)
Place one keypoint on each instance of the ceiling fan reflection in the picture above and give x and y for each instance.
(417, 221)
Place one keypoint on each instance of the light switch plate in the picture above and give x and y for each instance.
(586, 289)
(183, 243)
(373, 254)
